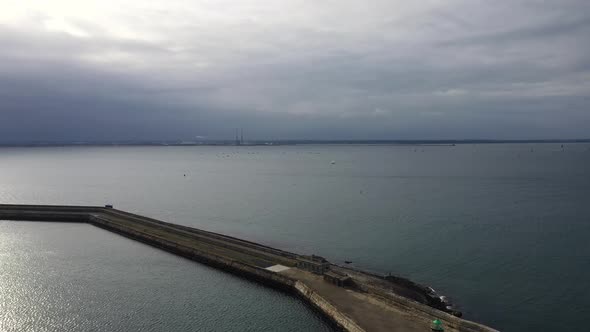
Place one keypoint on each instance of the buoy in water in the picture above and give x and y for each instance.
(332, 162)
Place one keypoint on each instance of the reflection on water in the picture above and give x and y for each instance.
(75, 277)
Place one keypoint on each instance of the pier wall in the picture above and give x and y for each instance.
(326, 307)
(236, 267)
(212, 235)
(42, 213)
(219, 240)
(200, 246)
(252, 272)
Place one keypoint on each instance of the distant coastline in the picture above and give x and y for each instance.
(288, 142)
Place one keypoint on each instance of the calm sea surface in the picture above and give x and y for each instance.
(503, 229)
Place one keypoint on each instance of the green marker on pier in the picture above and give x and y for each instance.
(437, 325)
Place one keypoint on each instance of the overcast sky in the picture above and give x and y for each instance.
(166, 69)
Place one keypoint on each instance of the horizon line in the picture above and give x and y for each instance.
(180, 142)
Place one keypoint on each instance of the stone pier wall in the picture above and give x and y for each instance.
(252, 272)
(326, 307)
(163, 235)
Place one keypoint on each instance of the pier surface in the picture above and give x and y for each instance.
(354, 300)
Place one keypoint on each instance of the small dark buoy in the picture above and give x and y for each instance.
(184, 174)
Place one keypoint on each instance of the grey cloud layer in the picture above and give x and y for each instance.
(465, 69)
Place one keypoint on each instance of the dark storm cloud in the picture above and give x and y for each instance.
(465, 69)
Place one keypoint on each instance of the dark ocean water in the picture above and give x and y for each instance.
(502, 229)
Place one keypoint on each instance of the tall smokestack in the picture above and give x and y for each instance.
(241, 135)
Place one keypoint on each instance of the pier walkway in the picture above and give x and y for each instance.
(353, 300)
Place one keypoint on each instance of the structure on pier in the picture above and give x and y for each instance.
(337, 278)
(313, 263)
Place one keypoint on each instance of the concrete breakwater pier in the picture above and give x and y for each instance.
(354, 300)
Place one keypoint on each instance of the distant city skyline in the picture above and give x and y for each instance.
(295, 70)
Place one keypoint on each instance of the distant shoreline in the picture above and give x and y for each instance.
(292, 142)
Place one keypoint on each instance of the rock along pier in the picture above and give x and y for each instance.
(353, 300)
